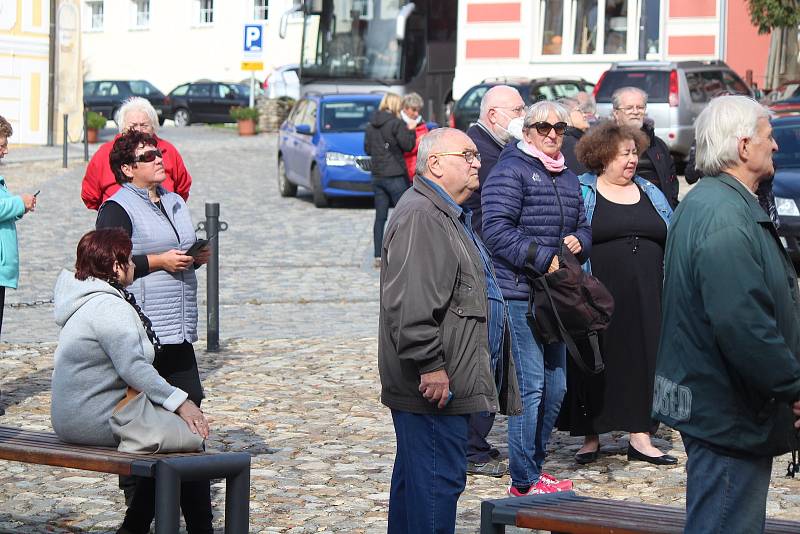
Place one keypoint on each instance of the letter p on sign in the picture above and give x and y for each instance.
(252, 38)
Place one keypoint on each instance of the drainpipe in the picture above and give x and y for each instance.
(643, 31)
(723, 27)
(51, 78)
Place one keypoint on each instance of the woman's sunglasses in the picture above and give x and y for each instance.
(147, 157)
(543, 127)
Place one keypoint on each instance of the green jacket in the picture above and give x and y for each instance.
(11, 209)
(728, 369)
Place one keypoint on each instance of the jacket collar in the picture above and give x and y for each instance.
(141, 192)
(422, 187)
(758, 213)
(490, 134)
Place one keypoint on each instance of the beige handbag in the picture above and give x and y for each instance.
(145, 428)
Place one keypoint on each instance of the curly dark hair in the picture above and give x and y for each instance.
(599, 146)
(124, 152)
(5, 128)
(99, 251)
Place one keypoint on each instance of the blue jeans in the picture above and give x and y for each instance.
(388, 191)
(430, 472)
(542, 383)
(724, 494)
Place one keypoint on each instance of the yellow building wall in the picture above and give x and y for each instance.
(24, 49)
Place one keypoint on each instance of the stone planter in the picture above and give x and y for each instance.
(91, 135)
(273, 112)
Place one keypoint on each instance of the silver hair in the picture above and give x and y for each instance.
(427, 146)
(413, 101)
(720, 126)
(617, 95)
(137, 103)
(587, 102)
(540, 110)
(570, 104)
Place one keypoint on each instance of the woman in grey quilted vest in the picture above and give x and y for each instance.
(165, 286)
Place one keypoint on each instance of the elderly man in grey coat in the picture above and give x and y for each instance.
(434, 350)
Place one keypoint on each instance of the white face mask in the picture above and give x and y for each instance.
(513, 130)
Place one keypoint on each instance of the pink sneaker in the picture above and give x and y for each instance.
(551, 481)
(536, 489)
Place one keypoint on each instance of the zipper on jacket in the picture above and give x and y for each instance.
(561, 212)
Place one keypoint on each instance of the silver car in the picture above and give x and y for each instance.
(677, 92)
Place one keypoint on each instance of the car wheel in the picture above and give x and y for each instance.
(285, 187)
(320, 200)
(182, 117)
(161, 120)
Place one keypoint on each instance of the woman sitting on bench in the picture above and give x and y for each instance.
(106, 344)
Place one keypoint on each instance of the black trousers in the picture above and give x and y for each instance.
(178, 365)
(479, 450)
(2, 304)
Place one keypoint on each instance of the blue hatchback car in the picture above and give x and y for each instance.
(321, 147)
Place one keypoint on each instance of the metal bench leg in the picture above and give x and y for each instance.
(488, 526)
(237, 503)
(168, 498)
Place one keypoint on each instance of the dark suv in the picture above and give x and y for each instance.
(467, 110)
(106, 96)
(205, 101)
(677, 92)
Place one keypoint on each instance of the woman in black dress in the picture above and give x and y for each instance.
(629, 218)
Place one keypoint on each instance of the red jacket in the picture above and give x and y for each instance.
(411, 157)
(99, 182)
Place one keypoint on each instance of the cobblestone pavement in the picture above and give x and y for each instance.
(295, 383)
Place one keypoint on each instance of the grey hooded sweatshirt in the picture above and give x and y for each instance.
(102, 348)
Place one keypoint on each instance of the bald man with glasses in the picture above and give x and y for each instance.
(436, 334)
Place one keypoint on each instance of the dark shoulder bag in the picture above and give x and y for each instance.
(571, 306)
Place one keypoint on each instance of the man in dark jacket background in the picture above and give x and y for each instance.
(655, 164)
(501, 109)
(436, 323)
(727, 373)
(500, 121)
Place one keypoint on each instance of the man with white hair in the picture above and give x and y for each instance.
(655, 164)
(433, 347)
(99, 183)
(727, 373)
(500, 121)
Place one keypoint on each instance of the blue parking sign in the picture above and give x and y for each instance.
(253, 34)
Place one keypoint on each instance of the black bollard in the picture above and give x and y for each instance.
(85, 137)
(66, 139)
(212, 296)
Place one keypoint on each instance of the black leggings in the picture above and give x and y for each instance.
(388, 191)
(177, 364)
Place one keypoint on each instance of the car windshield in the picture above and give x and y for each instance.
(347, 116)
(654, 83)
(788, 139)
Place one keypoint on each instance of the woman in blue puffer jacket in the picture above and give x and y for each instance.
(532, 207)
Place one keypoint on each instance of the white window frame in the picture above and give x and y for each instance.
(568, 35)
(261, 10)
(203, 14)
(140, 19)
(91, 18)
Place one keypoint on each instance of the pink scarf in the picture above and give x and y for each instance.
(551, 164)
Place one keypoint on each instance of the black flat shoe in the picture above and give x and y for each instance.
(584, 458)
(664, 459)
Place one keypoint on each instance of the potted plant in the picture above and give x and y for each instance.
(94, 122)
(245, 118)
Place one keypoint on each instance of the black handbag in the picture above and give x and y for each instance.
(571, 306)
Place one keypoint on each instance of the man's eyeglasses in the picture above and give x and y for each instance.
(518, 110)
(147, 157)
(632, 109)
(468, 155)
(543, 127)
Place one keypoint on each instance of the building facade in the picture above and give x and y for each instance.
(170, 42)
(24, 67)
(538, 38)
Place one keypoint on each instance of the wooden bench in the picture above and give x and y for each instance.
(566, 512)
(168, 470)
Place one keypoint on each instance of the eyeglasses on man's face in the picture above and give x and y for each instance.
(519, 110)
(544, 127)
(468, 155)
(633, 109)
(147, 157)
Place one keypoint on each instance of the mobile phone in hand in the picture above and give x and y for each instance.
(196, 247)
